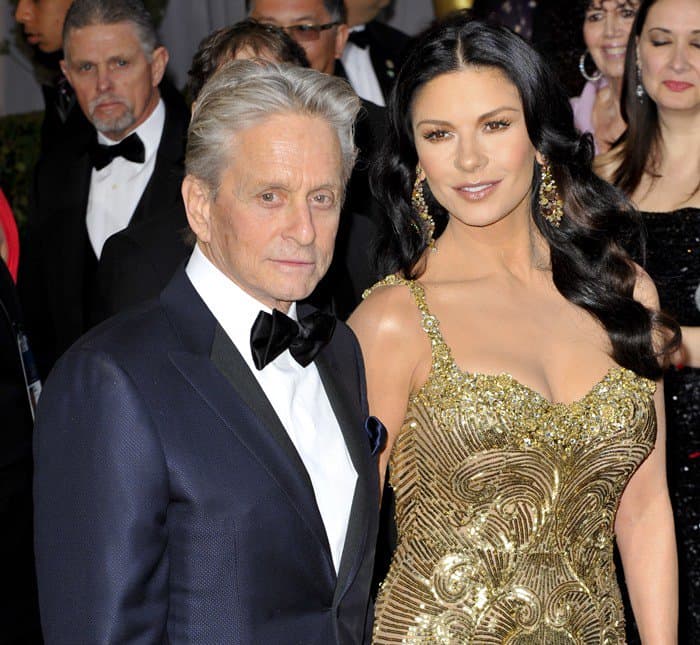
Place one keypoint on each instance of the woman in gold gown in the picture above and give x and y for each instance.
(514, 354)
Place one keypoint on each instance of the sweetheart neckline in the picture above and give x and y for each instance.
(613, 369)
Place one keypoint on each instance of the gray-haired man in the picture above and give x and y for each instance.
(203, 468)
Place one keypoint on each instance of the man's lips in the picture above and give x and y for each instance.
(33, 39)
(677, 86)
(477, 191)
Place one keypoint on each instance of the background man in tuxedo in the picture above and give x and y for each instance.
(203, 474)
(374, 52)
(98, 202)
(319, 26)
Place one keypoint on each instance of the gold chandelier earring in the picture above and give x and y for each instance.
(421, 208)
(551, 205)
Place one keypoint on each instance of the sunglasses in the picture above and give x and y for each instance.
(307, 32)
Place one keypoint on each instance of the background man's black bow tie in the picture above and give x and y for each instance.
(272, 334)
(359, 38)
(130, 148)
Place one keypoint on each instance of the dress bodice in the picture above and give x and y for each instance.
(505, 506)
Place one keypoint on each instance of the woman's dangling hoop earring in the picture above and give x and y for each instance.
(421, 208)
(596, 76)
(551, 205)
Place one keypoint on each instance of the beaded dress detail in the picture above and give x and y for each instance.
(505, 506)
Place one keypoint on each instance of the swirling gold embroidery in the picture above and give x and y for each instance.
(505, 507)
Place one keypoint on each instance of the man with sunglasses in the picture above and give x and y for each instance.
(319, 26)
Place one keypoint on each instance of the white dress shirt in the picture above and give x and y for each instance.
(296, 394)
(358, 66)
(115, 190)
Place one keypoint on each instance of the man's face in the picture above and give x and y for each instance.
(322, 48)
(271, 227)
(43, 22)
(115, 83)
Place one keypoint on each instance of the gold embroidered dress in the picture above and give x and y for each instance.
(505, 506)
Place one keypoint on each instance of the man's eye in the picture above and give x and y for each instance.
(122, 63)
(267, 197)
(303, 29)
(323, 199)
(85, 67)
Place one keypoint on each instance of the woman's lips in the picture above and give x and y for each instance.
(476, 192)
(677, 86)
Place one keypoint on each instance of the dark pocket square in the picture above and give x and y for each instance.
(376, 433)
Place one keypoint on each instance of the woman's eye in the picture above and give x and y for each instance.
(491, 126)
(594, 17)
(659, 43)
(628, 14)
(436, 135)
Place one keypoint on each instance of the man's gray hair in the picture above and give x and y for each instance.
(87, 13)
(243, 93)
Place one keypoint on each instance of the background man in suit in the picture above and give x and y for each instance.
(214, 483)
(93, 196)
(42, 22)
(319, 26)
(374, 51)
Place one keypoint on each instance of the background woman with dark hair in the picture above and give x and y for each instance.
(658, 165)
(512, 355)
(606, 28)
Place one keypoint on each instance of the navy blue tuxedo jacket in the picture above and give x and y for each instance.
(170, 503)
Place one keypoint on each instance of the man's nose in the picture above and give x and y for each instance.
(301, 224)
(24, 11)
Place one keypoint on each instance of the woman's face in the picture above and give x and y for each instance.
(472, 142)
(668, 52)
(606, 28)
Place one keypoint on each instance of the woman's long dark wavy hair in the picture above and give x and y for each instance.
(590, 266)
(639, 149)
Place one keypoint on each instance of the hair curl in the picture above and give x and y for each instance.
(590, 264)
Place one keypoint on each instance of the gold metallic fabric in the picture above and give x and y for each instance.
(505, 507)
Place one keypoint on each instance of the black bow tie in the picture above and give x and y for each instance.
(272, 334)
(359, 38)
(130, 148)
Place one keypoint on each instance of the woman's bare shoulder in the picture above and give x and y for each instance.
(388, 312)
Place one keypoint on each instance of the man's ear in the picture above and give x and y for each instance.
(197, 199)
(341, 37)
(65, 68)
(159, 61)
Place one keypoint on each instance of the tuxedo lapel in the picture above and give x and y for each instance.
(218, 373)
(349, 420)
(164, 184)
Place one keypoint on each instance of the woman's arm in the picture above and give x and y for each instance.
(393, 346)
(689, 353)
(646, 539)
(644, 529)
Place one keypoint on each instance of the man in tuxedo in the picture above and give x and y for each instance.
(374, 52)
(319, 26)
(205, 468)
(99, 202)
